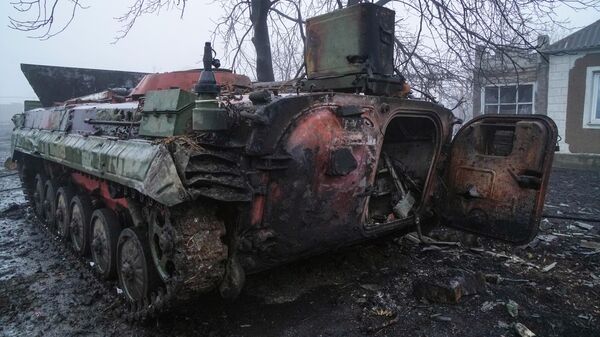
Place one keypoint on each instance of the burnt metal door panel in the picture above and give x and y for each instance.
(497, 176)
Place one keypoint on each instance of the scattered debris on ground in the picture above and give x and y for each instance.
(523, 331)
(448, 285)
(551, 285)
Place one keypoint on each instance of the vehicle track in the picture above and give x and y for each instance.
(197, 250)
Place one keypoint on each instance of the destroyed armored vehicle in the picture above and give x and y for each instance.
(195, 179)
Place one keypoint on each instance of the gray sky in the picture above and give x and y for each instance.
(156, 43)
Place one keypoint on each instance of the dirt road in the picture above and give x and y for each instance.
(358, 291)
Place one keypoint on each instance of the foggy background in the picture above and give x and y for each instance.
(157, 43)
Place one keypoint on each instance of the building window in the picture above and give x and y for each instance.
(591, 114)
(508, 99)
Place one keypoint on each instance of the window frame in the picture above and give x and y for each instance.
(590, 121)
(516, 103)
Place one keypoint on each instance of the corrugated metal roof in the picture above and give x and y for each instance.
(583, 39)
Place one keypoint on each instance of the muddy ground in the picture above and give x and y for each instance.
(358, 291)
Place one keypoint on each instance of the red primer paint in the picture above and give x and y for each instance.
(99, 188)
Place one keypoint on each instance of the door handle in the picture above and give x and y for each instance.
(527, 180)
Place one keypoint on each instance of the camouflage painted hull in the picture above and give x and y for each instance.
(143, 165)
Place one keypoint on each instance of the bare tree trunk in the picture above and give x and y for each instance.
(264, 63)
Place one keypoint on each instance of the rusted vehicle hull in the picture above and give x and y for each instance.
(317, 198)
(310, 176)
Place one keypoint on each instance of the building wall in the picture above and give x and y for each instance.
(541, 88)
(560, 85)
(558, 91)
(531, 69)
(526, 76)
(580, 139)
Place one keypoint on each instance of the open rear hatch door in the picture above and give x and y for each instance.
(497, 176)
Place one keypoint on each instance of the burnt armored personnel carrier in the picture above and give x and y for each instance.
(194, 179)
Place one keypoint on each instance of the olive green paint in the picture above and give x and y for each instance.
(139, 164)
(208, 116)
(31, 104)
(349, 40)
(167, 113)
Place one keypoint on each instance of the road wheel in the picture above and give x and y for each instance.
(27, 179)
(64, 195)
(38, 196)
(50, 205)
(162, 237)
(104, 230)
(81, 211)
(137, 275)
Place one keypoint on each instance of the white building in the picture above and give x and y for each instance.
(574, 89)
(563, 83)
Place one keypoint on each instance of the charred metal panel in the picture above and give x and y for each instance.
(211, 174)
(305, 208)
(282, 113)
(279, 114)
(54, 84)
(341, 162)
(308, 210)
(497, 176)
